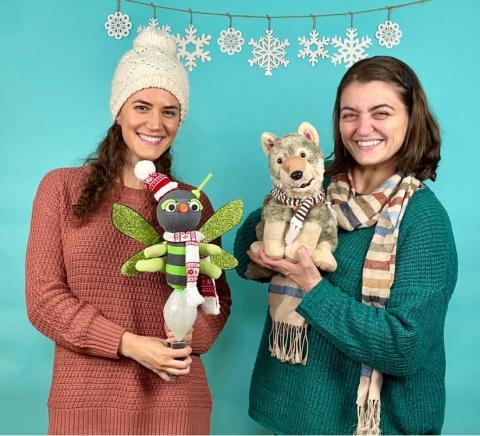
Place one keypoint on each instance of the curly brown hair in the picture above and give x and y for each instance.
(420, 151)
(106, 166)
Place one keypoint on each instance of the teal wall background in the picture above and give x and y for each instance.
(56, 68)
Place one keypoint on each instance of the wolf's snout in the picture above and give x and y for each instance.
(296, 175)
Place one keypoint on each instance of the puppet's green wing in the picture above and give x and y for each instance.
(132, 224)
(225, 219)
(128, 268)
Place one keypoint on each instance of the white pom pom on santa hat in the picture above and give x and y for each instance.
(143, 169)
(159, 184)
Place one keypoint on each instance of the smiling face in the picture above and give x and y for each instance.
(373, 123)
(149, 120)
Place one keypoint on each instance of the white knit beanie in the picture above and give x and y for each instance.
(152, 63)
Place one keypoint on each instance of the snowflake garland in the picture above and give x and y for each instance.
(351, 49)
(388, 34)
(198, 42)
(118, 25)
(319, 51)
(153, 24)
(231, 41)
(268, 52)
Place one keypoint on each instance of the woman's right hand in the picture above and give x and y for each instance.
(154, 354)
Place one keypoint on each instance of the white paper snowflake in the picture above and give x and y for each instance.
(319, 50)
(351, 49)
(231, 41)
(153, 24)
(268, 52)
(388, 34)
(199, 43)
(166, 27)
(118, 25)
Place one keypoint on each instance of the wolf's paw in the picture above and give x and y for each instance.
(291, 251)
(255, 247)
(274, 249)
(324, 260)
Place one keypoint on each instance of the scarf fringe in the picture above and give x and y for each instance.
(288, 342)
(368, 419)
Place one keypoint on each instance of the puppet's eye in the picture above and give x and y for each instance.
(279, 160)
(169, 205)
(195, 205)
(303, 154)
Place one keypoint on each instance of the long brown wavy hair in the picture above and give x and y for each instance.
(420, 152)
(106, 166)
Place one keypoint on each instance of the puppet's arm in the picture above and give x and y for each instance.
(156, 262)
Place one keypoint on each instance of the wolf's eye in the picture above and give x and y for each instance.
(303, 154)
(279, 160)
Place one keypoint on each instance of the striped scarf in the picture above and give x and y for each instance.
(301, 206)
(383, 208)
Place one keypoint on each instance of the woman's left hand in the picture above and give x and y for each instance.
(304, 272)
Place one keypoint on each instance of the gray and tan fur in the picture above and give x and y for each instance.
(296, 166)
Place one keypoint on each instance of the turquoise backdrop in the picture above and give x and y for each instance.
(56, 68)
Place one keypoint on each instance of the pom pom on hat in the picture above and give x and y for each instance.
(159, 184)
(143, 169)
(158, 39)
(152, 63)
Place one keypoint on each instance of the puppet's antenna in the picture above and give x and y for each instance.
(197, 191)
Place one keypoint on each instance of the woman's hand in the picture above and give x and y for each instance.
(171, 339)
(304, 273)
(155, 354)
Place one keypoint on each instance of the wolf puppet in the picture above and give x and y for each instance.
(294, 214)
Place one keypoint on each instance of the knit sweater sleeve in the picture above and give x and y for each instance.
(51, 306)
(245, 236)
(208, 327)
(399, 339)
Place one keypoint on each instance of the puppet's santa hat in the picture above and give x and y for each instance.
(159, 184)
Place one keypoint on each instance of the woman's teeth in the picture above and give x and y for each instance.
(151, 139)
(369, 143)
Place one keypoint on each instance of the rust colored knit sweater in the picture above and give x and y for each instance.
(77, 296)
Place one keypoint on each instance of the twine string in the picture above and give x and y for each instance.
(281, 17)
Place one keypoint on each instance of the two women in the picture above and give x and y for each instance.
(376, 359)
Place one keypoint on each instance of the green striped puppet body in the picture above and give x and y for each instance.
(176, 271)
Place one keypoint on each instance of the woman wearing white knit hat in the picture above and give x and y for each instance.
(113, 370)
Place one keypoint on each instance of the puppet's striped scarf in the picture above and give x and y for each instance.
(383, 209)
(301, 207)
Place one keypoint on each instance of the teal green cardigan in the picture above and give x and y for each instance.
(404, 341)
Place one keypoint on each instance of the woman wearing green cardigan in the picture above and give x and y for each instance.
(376, 355)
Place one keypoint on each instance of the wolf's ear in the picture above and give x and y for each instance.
(308, 131)
(268, 140)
